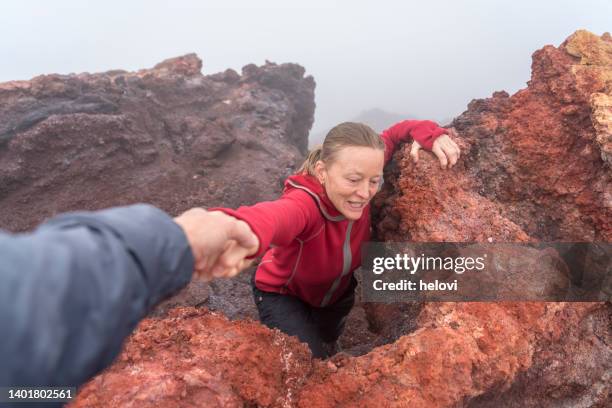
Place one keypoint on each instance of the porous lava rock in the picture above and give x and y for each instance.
(197, 358)
(462, 354)
(533, 165)
(465, 351)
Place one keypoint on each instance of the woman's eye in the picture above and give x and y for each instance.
(353, 180)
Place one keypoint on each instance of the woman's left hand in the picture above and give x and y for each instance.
(445, 149)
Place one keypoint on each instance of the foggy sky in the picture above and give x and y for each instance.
(426, 59)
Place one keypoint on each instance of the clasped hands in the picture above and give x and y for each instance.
(220, 243)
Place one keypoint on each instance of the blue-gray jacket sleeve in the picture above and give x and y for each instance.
(74, 289)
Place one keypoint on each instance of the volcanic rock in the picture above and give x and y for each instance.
(535, 166)
(462, 354)
(197, 358)
(169, 136)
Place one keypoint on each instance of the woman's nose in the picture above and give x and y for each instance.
(364, 191)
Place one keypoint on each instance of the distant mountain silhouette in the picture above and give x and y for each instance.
(376, 118)
(379, 119)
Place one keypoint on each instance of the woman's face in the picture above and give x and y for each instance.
(352, 179)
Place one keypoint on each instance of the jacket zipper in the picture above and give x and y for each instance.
(347, 258)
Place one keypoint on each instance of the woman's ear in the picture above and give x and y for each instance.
(320, 171)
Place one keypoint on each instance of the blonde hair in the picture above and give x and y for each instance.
(343, 135)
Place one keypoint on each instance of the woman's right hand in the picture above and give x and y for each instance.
(219, 242)
(233, 260)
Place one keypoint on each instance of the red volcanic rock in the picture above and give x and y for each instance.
(460, 351)
(169, 136)
(197, 358)
(572, 369)
(535, 163)
(428, 204)
(462, 354)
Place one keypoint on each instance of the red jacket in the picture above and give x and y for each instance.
(309, 249)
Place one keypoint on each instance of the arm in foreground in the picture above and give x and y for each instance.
(75, 288)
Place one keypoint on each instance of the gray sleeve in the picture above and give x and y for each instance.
(74, 289)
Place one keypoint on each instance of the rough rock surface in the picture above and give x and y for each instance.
(535, 166)
(466, 350)
(168, 135)
(462, 354)
(197, 358)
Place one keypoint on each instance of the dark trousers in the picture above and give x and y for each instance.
(319, 327)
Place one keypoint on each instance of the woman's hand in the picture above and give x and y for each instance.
(445, 149)
(220, 243)
(233, 260)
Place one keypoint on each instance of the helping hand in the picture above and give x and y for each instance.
(219, 243)
(445, 149)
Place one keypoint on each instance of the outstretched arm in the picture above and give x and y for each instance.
(76, 287)
(276, 222)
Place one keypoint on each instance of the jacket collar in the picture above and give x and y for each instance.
(312, 186)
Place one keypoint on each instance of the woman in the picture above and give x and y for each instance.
(311, 237)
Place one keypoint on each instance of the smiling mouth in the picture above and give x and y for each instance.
(356, 205)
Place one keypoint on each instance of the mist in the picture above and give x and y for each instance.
(403, 59)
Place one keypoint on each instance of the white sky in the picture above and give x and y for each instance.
(426, 58)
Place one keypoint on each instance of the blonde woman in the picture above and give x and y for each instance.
(311, 237)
